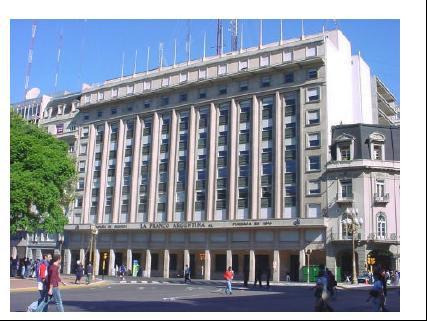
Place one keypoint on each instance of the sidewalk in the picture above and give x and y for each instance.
(30, 284)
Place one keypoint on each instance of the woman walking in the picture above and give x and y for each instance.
(228, 276)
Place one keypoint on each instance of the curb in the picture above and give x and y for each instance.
(67, 287)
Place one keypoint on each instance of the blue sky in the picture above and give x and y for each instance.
(92, 49)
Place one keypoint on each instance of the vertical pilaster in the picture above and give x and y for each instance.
(89, 174)
(82, 256)
(278, 164)
(301, 155)
(119, 171)
(229, 259)
(301, 264)
(191, 167)
(148, 263)
(212, 162)
(154, 167)
(276, 266)
(186, 258)
(254, 205)
(96, 262)
(233, 151)
(172, 166)
(104, 172)
(135, 169)
(111, 262)
(166, 261)
(129, 259)
(67, 261)
(251, 266)
(207, 269)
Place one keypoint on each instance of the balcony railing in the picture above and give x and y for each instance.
(345, 198)
(391, 237)
(381, 198)
(345, 237)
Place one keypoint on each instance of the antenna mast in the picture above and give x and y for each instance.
(219, 40)
(58, 58)
(234, 35)
(30, 56)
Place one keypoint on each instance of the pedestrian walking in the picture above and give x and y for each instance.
(89, 271)
(321, 295)
(42, 279)
(258, 277)
(122, 271)
(228, 276)
(187, 274)
(22, 268)
(384, 280)
(332, 283)
(78, 272)
(53, 282)
(268, 275)
(288, 277)
(376, 294)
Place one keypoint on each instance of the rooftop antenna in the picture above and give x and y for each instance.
(174, 53)
(123, 63)
(188, 42)
(241, 37)
(148, 59)
(204, 46)
(234, 35)
(30, 56)
(82, 46)
(58, 58)
(134, 65)
(219, 36)
(281, 31)
(160, 55)
(302, 29)
(260, 33)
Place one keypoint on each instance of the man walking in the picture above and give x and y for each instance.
(53, 282)
(42, 278)
(228, 276)
(78, 272)
(187, 274)
(89, 271)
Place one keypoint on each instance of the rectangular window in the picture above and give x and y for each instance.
(85, 132)
(290, 132)
(313, 211)
(378, 155)
(202, 93)
(147, 103)
(289, 78)
(244, 85)
(287, 55)
(313, 117)
(312, 74)
(82, 166)
(290, 201)
(290, 155)
(222, 90)
(183, 97)
(264, 61)
(87, 99)
(99, 114)
(130, 89)
(243, 181)
(380, 188)
(267, 113)
(203, 121)
(79, 202)
(220, 262)
(222, 70)
(165, 82)
(113, 110)
(161, 207)
(314, 163)
(221, 183)
(345, 153)
(313, 187)
(314, 140)
(59, 128)
(311, 51)
(100, 95)
(346, 188)
(83, 149)
(265, 81)
(147, 85)
(243, 65)
(202, 74)
(114, 92)
(290, 178)
(183, 77)
(313, 94)
(164, 101)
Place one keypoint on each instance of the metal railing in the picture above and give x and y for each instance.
(381, 198)
(345, 198)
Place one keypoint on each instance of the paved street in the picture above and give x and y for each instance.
(200, 297)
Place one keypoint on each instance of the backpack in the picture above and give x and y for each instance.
(42, 271)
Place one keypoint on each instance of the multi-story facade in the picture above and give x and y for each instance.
(216, 162)
(364, 173)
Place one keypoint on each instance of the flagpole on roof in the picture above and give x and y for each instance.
(174, 54)
(204, 46)
(148, 59)
(123, 63)
(134, 66)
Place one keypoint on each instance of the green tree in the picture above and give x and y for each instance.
(42, 178)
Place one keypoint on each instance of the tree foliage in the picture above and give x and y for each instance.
(42, 177)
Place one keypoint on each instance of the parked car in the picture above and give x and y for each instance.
(364, 278)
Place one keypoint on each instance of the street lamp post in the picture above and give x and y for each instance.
(353, 222)
(94, 233)
(308, 265)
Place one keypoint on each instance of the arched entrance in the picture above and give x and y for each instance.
(383, 258)
(345, 264)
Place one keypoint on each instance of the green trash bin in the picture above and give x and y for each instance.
(311, 273)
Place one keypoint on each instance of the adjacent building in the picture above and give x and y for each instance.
(222, 161)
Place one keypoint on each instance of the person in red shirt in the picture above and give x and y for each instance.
(53, 282)
(228, 276)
